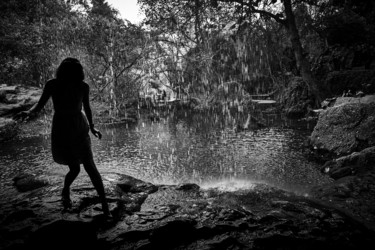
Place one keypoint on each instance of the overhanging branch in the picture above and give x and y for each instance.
(251, 5)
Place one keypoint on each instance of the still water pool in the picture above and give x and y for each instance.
(181, 148)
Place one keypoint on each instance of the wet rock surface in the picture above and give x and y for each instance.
(345, 128)
(345, 100)
(148, 216)
(28, 182)
(354, 185)
(345, 132)
(339, 215)
(357, 163)
(14, 99)
(296, 99)
(8, 128)
(354, 193)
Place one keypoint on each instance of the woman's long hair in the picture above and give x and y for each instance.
(70, 69)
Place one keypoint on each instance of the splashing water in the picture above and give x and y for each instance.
(179, 149)
(229, 185)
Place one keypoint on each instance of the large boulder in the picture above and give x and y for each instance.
(354, 193)
(14, 99)
(296, 99)
(132, 185)
(356, 163)
(345, 100)
(345, 128)
(337, 101)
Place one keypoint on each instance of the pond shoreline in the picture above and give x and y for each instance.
(185, 216)
(347, 201)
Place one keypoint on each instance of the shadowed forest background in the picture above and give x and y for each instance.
(195, 47)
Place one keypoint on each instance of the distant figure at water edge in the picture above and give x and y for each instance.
(70, 139)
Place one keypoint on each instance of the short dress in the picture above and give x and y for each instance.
(70, 139)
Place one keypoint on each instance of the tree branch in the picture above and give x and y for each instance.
(251, 6)
(276, 17)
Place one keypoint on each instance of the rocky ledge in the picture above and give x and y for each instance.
(345, 136)
(14, 99)
(185, 216)
(346, 127)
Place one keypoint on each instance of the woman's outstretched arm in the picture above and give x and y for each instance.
(88, 112)
(46, 94)
(43, 99)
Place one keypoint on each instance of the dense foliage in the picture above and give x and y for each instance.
(196, 46)
(37, 35)
(258, 42)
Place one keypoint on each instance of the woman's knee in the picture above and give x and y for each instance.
(90, 167)
(74, 169)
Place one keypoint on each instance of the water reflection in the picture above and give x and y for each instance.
(183, 148)
(197, 148)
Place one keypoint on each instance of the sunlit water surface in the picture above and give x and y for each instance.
(180, 149)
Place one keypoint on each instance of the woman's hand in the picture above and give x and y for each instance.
(96, 132)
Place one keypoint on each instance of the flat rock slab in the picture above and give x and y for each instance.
(345, 100)
(183, 216)
(357, 163)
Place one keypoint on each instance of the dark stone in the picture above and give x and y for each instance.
(136, 235)
(296, 99)
(130, 184)
(227, 242)
(355, 163)
(173, 233)
(346, 128)
(64, 234)
(328, 102)
(277, 241)
(188, 187)
(263, 217)
(133, 202)
(19, 216)
(342, 172)
(28, 182)
(207, 232)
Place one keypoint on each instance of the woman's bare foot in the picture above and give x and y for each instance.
(106, 211)
(67, 203)
(65, 197)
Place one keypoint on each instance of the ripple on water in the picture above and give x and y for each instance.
(172, 152)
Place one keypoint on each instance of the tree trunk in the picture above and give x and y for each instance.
(198, 32)
(113, 80)
(302, 62)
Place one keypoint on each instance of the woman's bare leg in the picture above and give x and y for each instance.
(96, 180)
(74, 170)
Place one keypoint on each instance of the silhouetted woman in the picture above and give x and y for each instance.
(71, 144)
